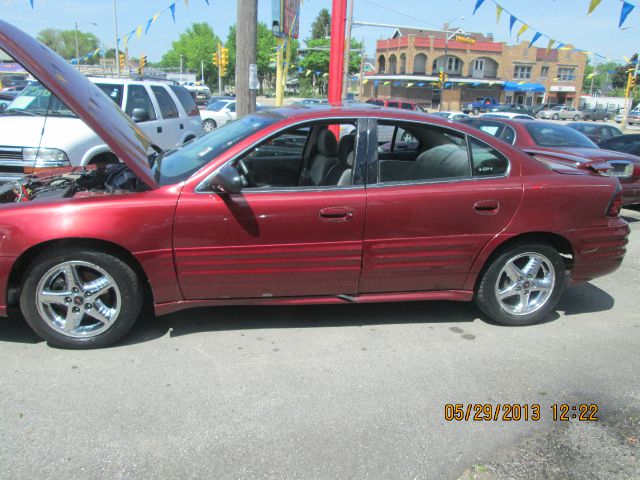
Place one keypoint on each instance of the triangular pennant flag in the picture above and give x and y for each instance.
(550, 45)
(626, 10)
(365, 81)
(139, 31)
(593, 5)
(309, 72)
(386, 83)
(31, 2)
(559, 46)
(149, 22)
(410, 84)
(523, 29)
(186, 3)
(591, 75)
(498, 13)
(534, 39)
(512, 22)
(421, 84)
(478, 4)
(172, 7)
(626, 59)
(207, 2)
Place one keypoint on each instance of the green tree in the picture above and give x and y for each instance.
(63, 42)
(197, 43)
(619, 77)
(321, 26)
(599, 76)
(318, 60)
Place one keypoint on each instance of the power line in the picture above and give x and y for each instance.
(402, 13)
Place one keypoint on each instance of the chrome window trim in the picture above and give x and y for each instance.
(304, 188)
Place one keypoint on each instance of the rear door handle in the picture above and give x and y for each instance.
(159, 129)
(336, 214)
(181, 126)
(486, 206)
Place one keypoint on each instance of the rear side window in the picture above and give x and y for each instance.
(380, 103)
(168, 108)
(407, 106)
(139, 98)
(487, 161)
(393, 104)
(186, 100)
(114, 92)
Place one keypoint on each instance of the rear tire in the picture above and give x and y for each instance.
(80, 299)
(208, 125)
(555, 117)
(476, 111)
(522, 285)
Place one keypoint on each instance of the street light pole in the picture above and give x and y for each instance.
(446, 56)
(181, 79)
(77, 48)
(115, 30)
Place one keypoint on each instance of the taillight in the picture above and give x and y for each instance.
(636, 169)
(613, 210)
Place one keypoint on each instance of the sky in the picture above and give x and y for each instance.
(565, 20)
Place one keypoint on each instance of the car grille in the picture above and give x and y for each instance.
(620, 168)
(11, 153)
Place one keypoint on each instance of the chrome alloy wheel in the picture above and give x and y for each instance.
(525, 283)
(78, 299)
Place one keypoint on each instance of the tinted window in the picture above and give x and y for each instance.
(547, 135)
(232, 107)
(114, 92)
(186, 100)
(218, 105)
(407, 106)
(427, 153)
(168, 108)
(487, 161)
(625, 144)
(380, 103)
(393, 104)
(139, 98)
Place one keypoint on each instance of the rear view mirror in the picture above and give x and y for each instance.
(227, 180)
(139, 115)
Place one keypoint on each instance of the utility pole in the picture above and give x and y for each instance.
(181, 78)
(246, 45)
(77, 49)
(115, 29)
(628, 101)
(347, 51)
(202, 71)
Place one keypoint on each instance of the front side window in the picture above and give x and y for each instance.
(186, 100)
(419, 153)
(168, 108)
(113, 91)
(139, 98)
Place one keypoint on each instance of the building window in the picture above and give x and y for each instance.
(453, 64)
(544, 72)
(478, 65)
(508, 99)
(566, 74)
(521, 72)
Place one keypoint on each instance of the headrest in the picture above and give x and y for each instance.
(327, 144)
(345, 147)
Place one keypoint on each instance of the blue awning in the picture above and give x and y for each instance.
(523, 87)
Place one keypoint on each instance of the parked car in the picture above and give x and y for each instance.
(544, 106)
(402, 104)
(633, 118)
(560, 112)
(451, 115)
(554, 143)
(218, 113)
(597, 133)
(5, 100)
(514, 108)
(624, 143)
(596, 114)
(38, 131)
(481, 105)
(512, 115)
(230, 219)
(214, 98)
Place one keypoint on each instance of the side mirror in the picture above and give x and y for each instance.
(227, 180)
(139, 115)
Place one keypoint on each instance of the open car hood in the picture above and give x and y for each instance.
(99, 112)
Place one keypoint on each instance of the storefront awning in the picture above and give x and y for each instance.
(523, 87)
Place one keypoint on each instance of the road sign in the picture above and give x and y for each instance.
(286, 18)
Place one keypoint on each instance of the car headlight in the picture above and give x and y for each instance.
(45, 157)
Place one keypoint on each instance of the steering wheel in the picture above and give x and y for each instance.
(244, 173)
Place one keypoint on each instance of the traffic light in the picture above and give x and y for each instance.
(215, 60)
(224, 60)
(143, 62)
(121, 61)
(631, 82)
(442, 77)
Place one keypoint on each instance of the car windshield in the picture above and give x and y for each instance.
(217, 106)
(557, 108)
(547, 135)
(442, 114)
(179, 164)
(36, 100)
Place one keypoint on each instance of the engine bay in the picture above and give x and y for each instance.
(108, 179)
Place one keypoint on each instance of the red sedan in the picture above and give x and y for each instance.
(551, 142)
(275, 209)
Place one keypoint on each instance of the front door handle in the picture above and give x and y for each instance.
(486, 206)
(336, 214)
(159, 129)
(181, 126)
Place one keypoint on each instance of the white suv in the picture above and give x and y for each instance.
(37, 131)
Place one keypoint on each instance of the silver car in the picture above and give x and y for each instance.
(561, 112)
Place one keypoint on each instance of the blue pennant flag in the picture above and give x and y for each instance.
(149, 22)
(534, 39)
(512, 22)
(376, 83)
(560, 45)
(172, 7)
(626, 10)
(31, 2)
(421, 84)
(478, 5)
(206, 1)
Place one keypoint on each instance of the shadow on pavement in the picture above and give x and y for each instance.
(585, 298)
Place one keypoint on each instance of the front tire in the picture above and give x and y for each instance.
(555, 116)
(522, 285)
(80, 299)
(475, 111)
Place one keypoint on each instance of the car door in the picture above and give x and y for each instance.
(171, 121)
(428, 219)
(137, 97)
(280, 240)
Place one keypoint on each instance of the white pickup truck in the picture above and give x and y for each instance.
(37, 131)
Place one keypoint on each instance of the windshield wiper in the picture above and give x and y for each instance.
(62, 113)
(20, 112)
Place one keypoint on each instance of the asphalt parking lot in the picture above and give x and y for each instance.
(354, 391)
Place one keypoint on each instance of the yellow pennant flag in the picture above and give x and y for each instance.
(155, 17)
(522, 82)
(523, 29)
(365, 81)
(498, 13)
(139, 31)
(325, 74)
(410, 84)
(593, 5)
(626, 59)
(308, 73)
(591, 75)
(550, 44)
(386, 83)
